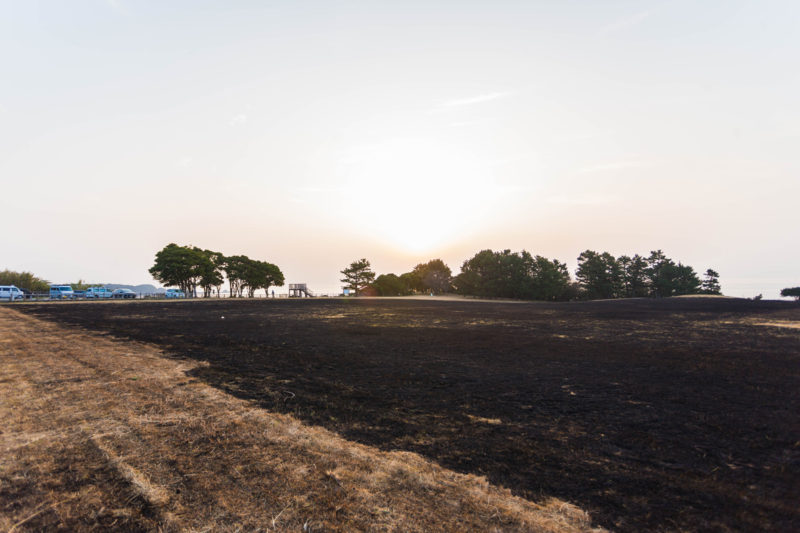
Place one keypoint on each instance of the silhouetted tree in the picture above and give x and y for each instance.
(513, 275)
(791, 291)
(600, 275)
(390, 285)
(358, 275)
(660, 272)
(410, 282)
(634, 276)
(685, 280)
(710, 283)
(433, 276)
(547, 279)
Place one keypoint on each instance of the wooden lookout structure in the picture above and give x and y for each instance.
(299, 290)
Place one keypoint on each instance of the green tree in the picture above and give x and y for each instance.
(390, 285)
(209, 269)
(669, 279)
(410, 281)
(358, 275)
(710, 283)
(548, 279)
(791, 291)
(260, 275)
(509, 274)
(480, 275)
(24, 280)
(634, 276)
(235, 267)
(433, 276)
(178, 266)
(660, 274)
(600, 275)
(685, 280)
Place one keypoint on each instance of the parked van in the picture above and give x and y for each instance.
(11, 293)
(61, 292)
(98, 292)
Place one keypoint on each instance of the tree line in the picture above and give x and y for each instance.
(190, 267)
(433, 276)
(24, 280)
(521, 275)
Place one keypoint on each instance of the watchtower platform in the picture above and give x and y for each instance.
(299, 290)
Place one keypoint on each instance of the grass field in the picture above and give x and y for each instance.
(678, 414)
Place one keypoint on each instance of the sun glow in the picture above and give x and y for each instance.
(417, 194)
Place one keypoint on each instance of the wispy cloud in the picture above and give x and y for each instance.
(624, 23)
(488, 97)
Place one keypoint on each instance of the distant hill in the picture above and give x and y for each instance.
(145, 289)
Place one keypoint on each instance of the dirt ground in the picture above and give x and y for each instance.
(675, 414)
(105, 435)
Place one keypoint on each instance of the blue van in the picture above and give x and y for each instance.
(61, 292)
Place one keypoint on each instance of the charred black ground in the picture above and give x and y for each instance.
(672, 414)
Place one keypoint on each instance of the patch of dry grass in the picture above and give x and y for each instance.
(98, 433)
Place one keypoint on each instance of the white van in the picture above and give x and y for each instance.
(97, 292)
(11, 293)
(61, 292)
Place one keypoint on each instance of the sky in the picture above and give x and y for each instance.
(311, 134)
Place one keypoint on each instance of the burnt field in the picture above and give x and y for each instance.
(658, 415)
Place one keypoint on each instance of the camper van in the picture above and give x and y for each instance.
(61, 292)
(11, 293)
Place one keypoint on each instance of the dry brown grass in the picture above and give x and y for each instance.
(100, 433)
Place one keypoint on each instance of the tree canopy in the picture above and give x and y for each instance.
(433, 276)
(358, 275)
(24, 280)
(390, 285)
(791, 291)
(513, 275)
(601, 275)
(188, 267)
(710, 283)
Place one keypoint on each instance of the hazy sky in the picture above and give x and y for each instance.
(311, 134)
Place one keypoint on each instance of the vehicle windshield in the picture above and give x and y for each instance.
(64, 288)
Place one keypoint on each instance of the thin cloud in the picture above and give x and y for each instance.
(624, 23)
(477, 99)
